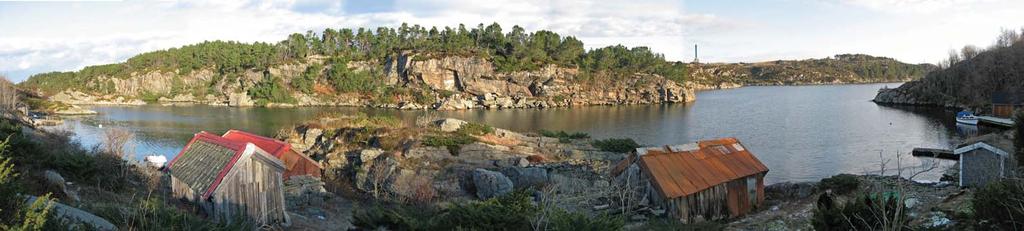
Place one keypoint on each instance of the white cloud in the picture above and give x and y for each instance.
(912, 6)
(116, 31)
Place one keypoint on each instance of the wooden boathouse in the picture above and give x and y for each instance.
(1005, 103)
(229, 179)
(295, 163)
(706, 180)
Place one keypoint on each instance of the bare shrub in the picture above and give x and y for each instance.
(118, 142)
(8, 96)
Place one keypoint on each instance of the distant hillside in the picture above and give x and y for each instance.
(845, 68)
(970, 78)
(405, 67)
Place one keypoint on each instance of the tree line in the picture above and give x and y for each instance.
(509, 51)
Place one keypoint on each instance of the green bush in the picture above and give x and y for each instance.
(346, 80)
(396, 218)
(150, 97)
(478, 129)
(270, 90)
(563, 220)
(863, 212)
(616, 145)
(840, 184)
(452, 142)
(513, 211)
(155, 214)
(997, 202)
(15, 214)
(508, 212)
(304, 82)
(564, 137)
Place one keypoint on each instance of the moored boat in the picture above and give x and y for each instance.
(966, 117)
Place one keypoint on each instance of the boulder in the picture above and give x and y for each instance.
(428, 153)
(240, 100)
(512, 162)
(490, 183)
(304, 190)
(790, 190)
(528, 177)
(368, 155)
(54, 179)
(449, 124)
(76, 217)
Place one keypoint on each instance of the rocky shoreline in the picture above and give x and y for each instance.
(395, 162)
(906, 95)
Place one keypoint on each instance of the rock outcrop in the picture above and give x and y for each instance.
(490, 183)
(449, 83)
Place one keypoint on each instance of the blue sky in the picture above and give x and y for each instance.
(38, 37)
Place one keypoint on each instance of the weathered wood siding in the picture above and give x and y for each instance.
(979, 167)
(1003, 110)
(182, 191)
(727, 200)
(252, 190)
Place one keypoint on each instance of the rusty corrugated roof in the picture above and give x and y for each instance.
(680, 172)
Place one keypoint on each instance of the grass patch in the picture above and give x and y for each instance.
(451, 142)
(37, 104)
(616, 145)
(476, 129)
(513, 211)
(564, 137)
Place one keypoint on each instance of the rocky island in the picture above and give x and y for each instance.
(839, 69)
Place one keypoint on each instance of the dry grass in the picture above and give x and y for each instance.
(490, 138)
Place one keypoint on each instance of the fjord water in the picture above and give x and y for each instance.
(802, 133)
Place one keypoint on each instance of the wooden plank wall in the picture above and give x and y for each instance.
(254, 192)
(1002, 110)
(180, 190)
(727, 200)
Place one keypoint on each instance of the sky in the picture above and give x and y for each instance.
(44, 36)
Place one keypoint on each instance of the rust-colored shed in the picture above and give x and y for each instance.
(295, 163)
(706, 180)
(229, 179)
(1005, 103)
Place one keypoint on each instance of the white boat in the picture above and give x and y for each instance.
(966, 117)
(157, 161)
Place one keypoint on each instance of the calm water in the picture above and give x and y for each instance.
(801, 133)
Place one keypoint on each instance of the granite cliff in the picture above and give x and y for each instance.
(444, 83)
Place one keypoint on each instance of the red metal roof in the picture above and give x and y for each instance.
(295, 162)
(273, 146)
(681, 172)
